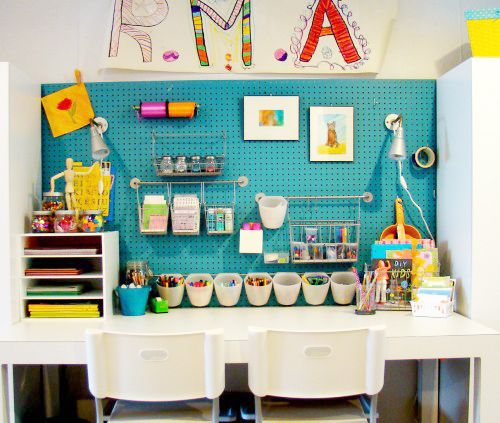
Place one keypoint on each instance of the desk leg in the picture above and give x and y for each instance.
(428, 390)
(7, 410)
(486, 388)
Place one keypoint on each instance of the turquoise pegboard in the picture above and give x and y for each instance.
(273, 167)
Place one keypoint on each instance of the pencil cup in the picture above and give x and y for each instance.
(365, 299)
(258, 295)
(315, 294)
(199, 296)
(343, 287)
(286, 287)
(228, 288)
(133, 301)
(174, 294)
(272, 211)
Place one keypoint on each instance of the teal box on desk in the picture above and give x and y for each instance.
(159, 305)
(379, 251)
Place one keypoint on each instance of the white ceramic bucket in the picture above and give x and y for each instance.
(286, 287)
(199, 296)
(315, 294)
(172, 295)
(228, 296)
(343, 287)
(258, 295)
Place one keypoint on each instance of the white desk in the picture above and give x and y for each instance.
(62, 341)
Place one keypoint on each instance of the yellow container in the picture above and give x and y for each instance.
(484, 32)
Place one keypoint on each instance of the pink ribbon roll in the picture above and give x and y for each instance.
(153, 110)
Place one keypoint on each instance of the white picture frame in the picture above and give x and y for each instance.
(331, 137)
(271, 118)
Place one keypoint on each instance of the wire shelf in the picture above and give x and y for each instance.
(211, 159)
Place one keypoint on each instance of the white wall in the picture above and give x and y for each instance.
(50, 38)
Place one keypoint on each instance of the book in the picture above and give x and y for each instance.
(55, 289)
(60, 251)
(394, 284)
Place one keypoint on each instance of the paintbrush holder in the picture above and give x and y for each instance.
(365, 299)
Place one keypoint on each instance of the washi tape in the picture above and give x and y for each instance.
(424, 157)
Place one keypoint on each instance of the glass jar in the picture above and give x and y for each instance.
(180, 164)
(65, 221)
(166, 165)
(138, 272)
(210, 164)
(53, 201)
(195, 164)
(42, 222)
(91, 221)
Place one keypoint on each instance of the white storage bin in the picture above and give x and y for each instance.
(251, 242)
(286, 287)
(199, 296)
(343, 287)
(258, 295)
(228, 296)
(315, 294)
(272, 211)
(172, 295)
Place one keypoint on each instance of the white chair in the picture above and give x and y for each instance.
(314, 365)
(148, 369)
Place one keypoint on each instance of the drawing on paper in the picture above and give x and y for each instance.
(342, 33)
(241, 7)
(331, 134)
(130, 14)
(271, 117)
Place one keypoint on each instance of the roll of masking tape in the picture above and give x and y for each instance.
(424, 157)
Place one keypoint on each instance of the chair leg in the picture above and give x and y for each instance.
(99, 415)
(373, 409)
(258, 409)
(215, 410)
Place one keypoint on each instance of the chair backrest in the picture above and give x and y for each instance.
(145, 367)
(316, 364)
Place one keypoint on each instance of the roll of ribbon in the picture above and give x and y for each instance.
(424, 157)
(166, 109)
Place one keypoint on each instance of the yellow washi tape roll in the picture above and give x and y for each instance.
(424, 157)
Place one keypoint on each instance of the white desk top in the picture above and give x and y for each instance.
(234, 321)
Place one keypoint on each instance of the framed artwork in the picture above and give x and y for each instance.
(271, 118)
(331, 134)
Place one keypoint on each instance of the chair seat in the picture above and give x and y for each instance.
(157, 412)
(310, 411)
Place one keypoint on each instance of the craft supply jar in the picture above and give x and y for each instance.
(65, 221)
(166, 165)
(210, 164)
(91, 221)
(53, 201)
(195, 165)
(180, 164)
(138, 272)
(42, 221)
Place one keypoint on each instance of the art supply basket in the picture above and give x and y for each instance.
(133, 301)
(329, 239)
(484, 32)
(431, 310)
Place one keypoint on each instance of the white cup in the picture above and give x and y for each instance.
(228, 296)
(172, 295)
(343, 287)
(286, 287)
(315, 294)
(272, 211)
(199, 296)
(258, 295)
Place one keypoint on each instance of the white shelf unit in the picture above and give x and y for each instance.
(100, 278)
(467, 179)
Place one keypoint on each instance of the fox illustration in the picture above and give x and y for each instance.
(331, 135)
